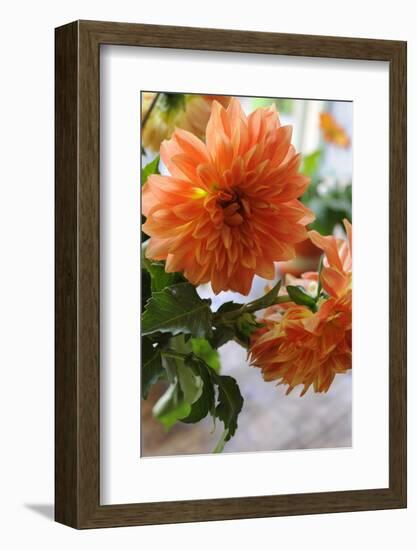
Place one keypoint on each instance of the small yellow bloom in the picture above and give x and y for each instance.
(187, 111)
(332, 131)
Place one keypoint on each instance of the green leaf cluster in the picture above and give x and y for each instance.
(330, 208)
(177, 348)
(220, 397)
(195, 390)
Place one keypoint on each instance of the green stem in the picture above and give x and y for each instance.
(148, 112)
(224, 318)
(319, 288)
(221, 443)
(278, 300)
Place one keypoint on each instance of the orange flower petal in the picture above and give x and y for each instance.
(329, 247)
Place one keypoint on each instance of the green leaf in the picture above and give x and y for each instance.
(178, 309)
(190, 383)
(229, 306)
(205, 404)
(311, 163)
(202, 349)
(230, 402)
(221, 335)
(229, 398)
(152, 369)
(185, 390)
(151, 168)
(236, 321)
(330, 208)
(160, 279)
(171, 407)
(203, 358)
(146, 288)
(246, 324)
(301, 298)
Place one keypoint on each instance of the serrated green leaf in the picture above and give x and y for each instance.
(152, 369)
(229, 398)
(301, 298)
(151, 168)
(178, 309)
(202, 349)
(230, 402)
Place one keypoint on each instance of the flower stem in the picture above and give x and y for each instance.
(247, 308)
(148, 112)
(279, 300)
(319, 287)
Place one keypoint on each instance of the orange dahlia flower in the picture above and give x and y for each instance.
(296, 346)
(332, 131)
(229, 208)
(336, 275)
(186, 111)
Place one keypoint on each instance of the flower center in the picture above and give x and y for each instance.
(233, 206)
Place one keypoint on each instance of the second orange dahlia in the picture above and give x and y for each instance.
(298, 347)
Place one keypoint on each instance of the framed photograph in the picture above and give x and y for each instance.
(230, 274)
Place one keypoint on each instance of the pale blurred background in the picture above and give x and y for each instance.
(271, 420)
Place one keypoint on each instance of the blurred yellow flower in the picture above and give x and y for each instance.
(170, 111)
(332, 131)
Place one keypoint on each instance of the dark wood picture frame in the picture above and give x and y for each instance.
(77, 374)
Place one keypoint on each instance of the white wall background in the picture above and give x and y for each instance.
(26, 273)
